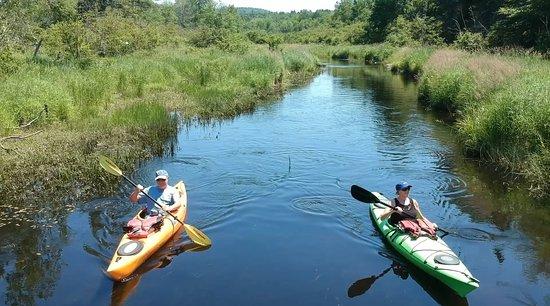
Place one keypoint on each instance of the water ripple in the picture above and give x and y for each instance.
(351, 216)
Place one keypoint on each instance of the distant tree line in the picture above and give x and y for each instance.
(471, 24)
(79, 30)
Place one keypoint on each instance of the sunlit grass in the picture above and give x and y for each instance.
(501, 104)
(512, 126)
(122, 107)
(410, 60)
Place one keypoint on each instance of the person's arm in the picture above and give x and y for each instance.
(388, 211)
(176, 199)
(135, 195)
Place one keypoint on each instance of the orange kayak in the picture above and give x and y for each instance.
(131, 253)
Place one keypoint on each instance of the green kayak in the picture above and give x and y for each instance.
(431, 255)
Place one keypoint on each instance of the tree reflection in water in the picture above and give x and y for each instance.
(30, 259)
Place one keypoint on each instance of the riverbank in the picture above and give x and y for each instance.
(499, 103)
(57, 119)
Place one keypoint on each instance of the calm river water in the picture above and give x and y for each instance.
(271, 189)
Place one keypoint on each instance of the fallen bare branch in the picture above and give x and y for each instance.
(16, 137)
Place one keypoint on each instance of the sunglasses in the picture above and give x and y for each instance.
(161, 180)
(406, 189)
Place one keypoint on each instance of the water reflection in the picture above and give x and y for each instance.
(272, 189)
(30, 260)
(361, 286)
(162, 258)
(400, 268)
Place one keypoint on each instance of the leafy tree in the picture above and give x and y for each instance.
(230, 19)
(416, 31)
(384, 12)
(25, 20)
(475, 16)
(470, 41)
(420, 8)
(343, 11)
(69, 40)
(523, 23)
(127, 7)
(351, 11)
(192, 13)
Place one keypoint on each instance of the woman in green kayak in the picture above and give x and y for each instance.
(405, 207)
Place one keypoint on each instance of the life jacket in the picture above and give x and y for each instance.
(139, 227)
(417, 227)
(409, 211)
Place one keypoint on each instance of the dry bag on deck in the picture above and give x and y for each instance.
(140, 228)
(417, 228)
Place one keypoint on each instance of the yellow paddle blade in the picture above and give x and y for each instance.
(197, 236)
(197, 248)
(109, 166)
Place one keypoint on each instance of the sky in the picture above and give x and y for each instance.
(284, 5)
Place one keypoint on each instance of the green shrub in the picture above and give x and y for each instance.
(415, 32)
(469, 41)
(299, 60)
(69, 40)
(273, 41)
(410, 60)
(376, 53)
(234, 42)
(257, 36)
(9, 61)
(205, 37)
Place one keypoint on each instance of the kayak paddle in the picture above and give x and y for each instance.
(195, 234)
(361, 286)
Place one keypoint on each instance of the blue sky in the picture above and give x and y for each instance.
(284, 5)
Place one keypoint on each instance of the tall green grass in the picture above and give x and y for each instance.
(512, 125)
(121, 107)
(501, 105)
(409, 60)
(456, 80)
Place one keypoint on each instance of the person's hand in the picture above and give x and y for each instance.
(399, 209)
(435, 225)
(165, 207)
(139, 187)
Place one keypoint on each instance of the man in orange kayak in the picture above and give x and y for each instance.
(167, 196)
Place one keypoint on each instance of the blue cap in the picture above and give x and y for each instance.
(402, 186)
(161, 174)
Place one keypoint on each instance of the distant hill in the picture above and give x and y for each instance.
(252, 11)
